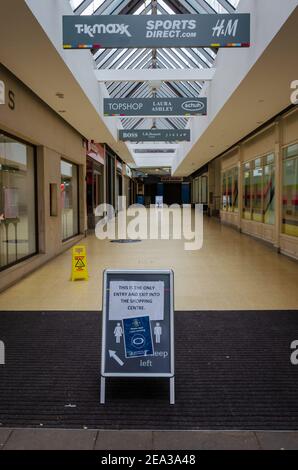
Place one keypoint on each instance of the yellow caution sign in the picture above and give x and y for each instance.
(79, 263)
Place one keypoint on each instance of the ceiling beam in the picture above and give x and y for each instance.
(142, 75)
(85, 4)
(227, 6)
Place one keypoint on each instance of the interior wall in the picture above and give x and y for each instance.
(258, 145)
(33, 121)
(282, 132)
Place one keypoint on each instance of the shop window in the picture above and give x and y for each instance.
(235, 188)
(247, 191)
(269, 190)
(69, 200)
(230, 190)
(200, 190)
(224, 191)
(259, 190)
(204, 190)
(95, 187)
(110, 161)
(18, 238)
(197, 190)
(290, 191)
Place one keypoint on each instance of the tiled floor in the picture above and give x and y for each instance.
(62, 439)
(231, 271)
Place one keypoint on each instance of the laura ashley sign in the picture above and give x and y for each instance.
(155, 106)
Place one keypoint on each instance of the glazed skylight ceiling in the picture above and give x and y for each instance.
(173, 58)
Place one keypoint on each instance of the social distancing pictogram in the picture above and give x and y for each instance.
(79, 263)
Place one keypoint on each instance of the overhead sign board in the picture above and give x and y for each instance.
(154, 135)
(148, 31)
(127, 171)
(137, 325)
(155, 106)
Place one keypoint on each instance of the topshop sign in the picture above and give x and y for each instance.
(144, 31)
(155, 106)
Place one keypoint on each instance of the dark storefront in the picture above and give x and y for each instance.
(173, 190)
(110, 175)
(95, 181)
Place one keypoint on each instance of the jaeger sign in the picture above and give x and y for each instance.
(154, 135)
(155, 106)
(138, 31)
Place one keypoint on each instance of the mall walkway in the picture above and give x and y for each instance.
(231, 271)
(64, 439)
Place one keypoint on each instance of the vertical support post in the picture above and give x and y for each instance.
(278, 182)
(102, 390)
(240, 186)
(172, 391)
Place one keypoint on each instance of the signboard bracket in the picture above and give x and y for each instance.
(172, 391)
(102, 390)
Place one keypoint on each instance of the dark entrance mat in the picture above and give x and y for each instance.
(233, 371)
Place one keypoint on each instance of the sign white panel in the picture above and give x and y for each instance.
(132, 298)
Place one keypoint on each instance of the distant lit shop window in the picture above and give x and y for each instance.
(17, 201)
(95, 187)
(290, 191)
(259, 190)
(269, 190)
(257, 184)
(200, 190)
(193, 191)
(197, 190)
(224, 192)
(246, 191)
(204, 190)
(230, 190)
(235, 188)
(69, 199)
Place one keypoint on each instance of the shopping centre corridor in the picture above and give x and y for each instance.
(231, 271)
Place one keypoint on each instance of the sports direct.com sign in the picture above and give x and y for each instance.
(143, 31)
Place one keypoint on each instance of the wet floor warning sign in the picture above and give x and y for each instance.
(79, 263)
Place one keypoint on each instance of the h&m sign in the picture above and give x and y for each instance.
(148, 31)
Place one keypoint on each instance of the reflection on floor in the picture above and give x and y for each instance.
(231, 271)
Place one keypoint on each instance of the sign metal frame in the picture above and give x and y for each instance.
(166, 106)
(105, 310)
(155, 135)
(153, 31)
